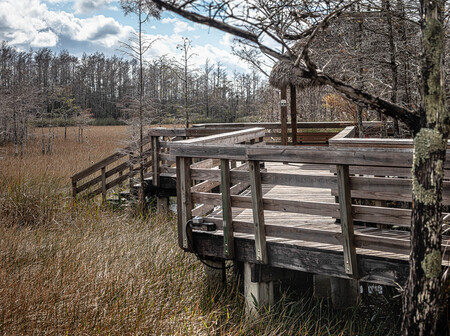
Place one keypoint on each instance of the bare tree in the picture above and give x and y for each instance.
(136, 48)
(281, 22)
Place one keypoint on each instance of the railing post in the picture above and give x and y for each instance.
(345, 207)
(155, 161)
(74, 189)
(258, 211)
(103, 184)
(228, 239)
(184, 208)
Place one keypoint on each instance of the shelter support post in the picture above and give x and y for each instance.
(293, 93)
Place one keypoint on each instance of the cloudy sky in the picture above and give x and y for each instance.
(100, 25)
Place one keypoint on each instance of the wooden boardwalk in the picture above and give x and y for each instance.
(306, 221)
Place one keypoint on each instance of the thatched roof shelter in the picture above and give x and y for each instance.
(284, 74)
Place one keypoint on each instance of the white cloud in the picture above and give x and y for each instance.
(29, 22)
(178, 25)
(89, 6)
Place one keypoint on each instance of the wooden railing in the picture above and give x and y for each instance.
(124, 164)
(307, 132)
(368, 173)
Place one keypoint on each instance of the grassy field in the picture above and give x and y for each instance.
(88, 269)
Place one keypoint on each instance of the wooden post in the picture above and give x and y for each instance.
(258, 211)
(228, 240)
(322, 286)
(345, 208)
(293, 104)
(345, 292)
(184, 209)
(155, 161)
(103, 184)
(257, 294)
(74, 189)
(284, 138)
(162, 204)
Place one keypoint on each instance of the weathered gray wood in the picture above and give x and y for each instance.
(277, 125)
(208, 163)
(103, 184)
(185, 205)
(162, 204)
(283, 117)
(156, 161)
(347, 132)
(344, 293)
(245, 202)
(225, 138)
(373, 269)
(106, 161)
(345, 208)
(309, 181)
(257, 295)
(258, 211)
(322, 286)
(377, 240)
(293, 106)
(389, 157)
(225, 184)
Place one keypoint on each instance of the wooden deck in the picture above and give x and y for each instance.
(307, 221)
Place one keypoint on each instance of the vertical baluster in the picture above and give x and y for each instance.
(258, 211)
(345, 207)
(184, 209)
(228, 241)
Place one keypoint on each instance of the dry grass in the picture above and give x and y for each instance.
(87, 269)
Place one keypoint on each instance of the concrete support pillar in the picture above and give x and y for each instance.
(257, 294)
(162, 204)
(345, 293)
(322, 286)
(215, 277)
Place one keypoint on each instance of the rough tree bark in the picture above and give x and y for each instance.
(422, 292)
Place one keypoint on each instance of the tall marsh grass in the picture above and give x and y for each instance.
(86, 269)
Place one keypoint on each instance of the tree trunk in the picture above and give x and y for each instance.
(422, 301)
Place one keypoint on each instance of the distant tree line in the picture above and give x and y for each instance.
(59, 89)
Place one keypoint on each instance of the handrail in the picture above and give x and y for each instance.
(111, 171)
(378, 181)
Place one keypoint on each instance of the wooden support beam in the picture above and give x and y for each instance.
(258, 211)
(293, 93)
(284, 139)
(184, 208)
(345, 208)
(228, 242)
(155, 161)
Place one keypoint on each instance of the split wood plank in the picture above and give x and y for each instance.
(258, 212)
(345, 208)
(185, 206)
(228, 242)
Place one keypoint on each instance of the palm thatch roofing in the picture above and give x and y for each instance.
(284, 74)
